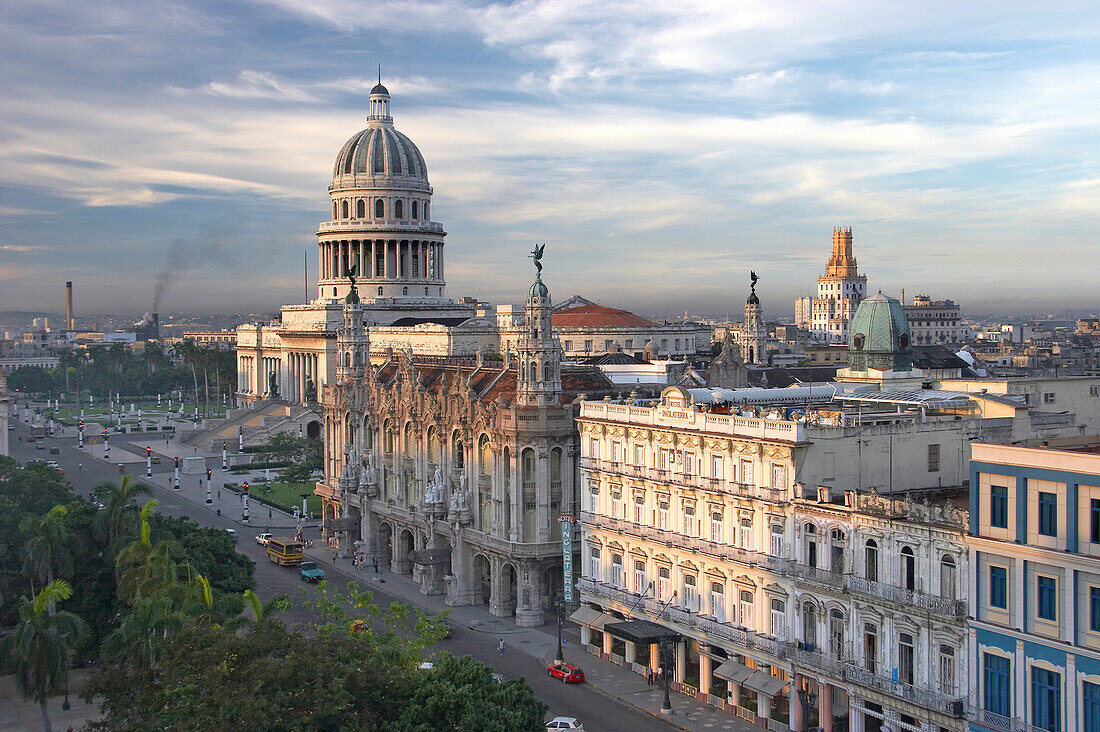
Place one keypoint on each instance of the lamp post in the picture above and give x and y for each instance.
(176, 473)
(225, 463)
(559, 608)
(148, 462)
(665, 646)
(808, 700)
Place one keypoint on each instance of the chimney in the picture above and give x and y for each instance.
(69, 325)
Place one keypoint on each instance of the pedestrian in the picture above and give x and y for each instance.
(500, 647)
(648, 676)
(269, 514)
(376, 565)
(659, 678)
(79, 467)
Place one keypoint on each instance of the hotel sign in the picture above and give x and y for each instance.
(567, 522)
(676, 414)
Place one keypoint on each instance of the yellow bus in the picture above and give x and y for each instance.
(284, 552)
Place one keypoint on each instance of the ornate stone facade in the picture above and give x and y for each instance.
(455, 470)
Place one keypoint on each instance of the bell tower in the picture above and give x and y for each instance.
(539, 350)
(352, 340)
(754, 333)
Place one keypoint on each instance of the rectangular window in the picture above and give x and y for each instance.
(1046, 606)
(639, 455)
(1048, 397)
(1094, 514)
(568, 345)
(998, 506)
(1046, 699)
(616, 452)
(905, 659)
(1094, 609)
(933, 458)
(629, 343)
(1048, 514)
(998, 587)
(689, 463)
(997, 696)
(746, 472)
(588, 345)
(1090, 698)
(716, 527)
(717, 468)
(607, 345)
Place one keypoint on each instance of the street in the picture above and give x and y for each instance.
(475, 632)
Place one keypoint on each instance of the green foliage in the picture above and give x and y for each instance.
(38, 650)
(301, 456)
(460, 693)
(353, 667)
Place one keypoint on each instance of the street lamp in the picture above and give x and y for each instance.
(559, 608)
(808, 700)
(666, 646)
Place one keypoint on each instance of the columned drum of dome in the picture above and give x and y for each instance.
(380, 227)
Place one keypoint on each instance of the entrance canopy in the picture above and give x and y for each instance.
(640, 631)
(765, 684)
(592, 617)
(734, 671)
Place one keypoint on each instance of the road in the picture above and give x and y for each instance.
(597, 710)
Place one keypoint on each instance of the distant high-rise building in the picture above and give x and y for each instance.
(933, 321)
(839, 291)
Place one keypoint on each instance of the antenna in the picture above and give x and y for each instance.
(305, 273)
(379, 72)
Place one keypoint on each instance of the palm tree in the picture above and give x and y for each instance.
(277, 604)
(37, 651)
(118, 506)
(46, 553)
(144, 632)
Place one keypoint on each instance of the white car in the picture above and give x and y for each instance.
(565, 723)
(262, 539)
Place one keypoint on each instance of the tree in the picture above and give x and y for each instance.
(38, 650)
(119, 507)
(460, 693)
(46, 554)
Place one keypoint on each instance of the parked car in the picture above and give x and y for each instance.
(54, 451)
(262, 539)
(569, 673)
(232, 534)
(53, 464)
(310, 572)
(565, 723)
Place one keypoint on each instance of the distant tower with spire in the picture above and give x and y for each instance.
(754, 333)
(539, 350)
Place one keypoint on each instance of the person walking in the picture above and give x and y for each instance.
(376, 565)
(500, 648)
(648, 676)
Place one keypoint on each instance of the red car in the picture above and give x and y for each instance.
(569, 673)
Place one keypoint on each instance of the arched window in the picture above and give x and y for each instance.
(870, 560)
(617, 570)
(361, 209)
(836, 549)
(947, 577)
(414, 214)
(344, 209)
(458, 452)
(379, 209)
(404, 290)
(908, 569)
(809, 624)
(594, 563)
(836, 634)
(410, 440)
(425, 292)
(779, 619)
(433, 446)
(546, 371)
(664, 575)
(379, 292)
(484, 456)
(718, 601)
(691, 594)
(399, 209)
(811, 545)
(334, 211)
(387, 436)
(746, 610)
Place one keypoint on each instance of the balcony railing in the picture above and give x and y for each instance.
(807, 655)
(680, 541)
(709, 627)
(909, 598)
(686, 480)
(923, 697)
(817, 575)
(999, 723)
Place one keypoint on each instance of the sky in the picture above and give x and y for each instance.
(179, 153)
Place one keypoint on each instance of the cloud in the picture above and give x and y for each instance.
(20, 248)
(259, 85)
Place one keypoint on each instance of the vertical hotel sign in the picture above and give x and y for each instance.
(567, 555)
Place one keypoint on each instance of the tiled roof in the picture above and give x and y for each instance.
(597, 316)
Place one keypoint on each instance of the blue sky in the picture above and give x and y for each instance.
(660, 149)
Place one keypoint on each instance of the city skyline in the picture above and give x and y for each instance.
(180, 153)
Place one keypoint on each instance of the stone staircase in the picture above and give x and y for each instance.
(257, 423)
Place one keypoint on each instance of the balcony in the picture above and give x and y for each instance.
(686, 620)
(999, 723)
(908, 598)
(817, 576)
(804, 654)
(684, 480)
(675, 540)
(927, 698)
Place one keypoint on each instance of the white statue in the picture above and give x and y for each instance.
(351, 469)
(437, 479)
(369, 473)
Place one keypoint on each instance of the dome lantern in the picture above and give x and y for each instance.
(380, 102)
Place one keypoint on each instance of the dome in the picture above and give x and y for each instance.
(878, 336)
(752, 299)
(538, 289)
(380, 151)
(379, 89)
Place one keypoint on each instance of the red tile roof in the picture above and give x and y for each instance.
(597, 316)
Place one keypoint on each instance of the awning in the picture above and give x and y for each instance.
(734, 671)
(764, 683)
(591, 617)
(429, 557)
(640, 631)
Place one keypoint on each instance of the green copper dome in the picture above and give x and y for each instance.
(878, 336)
(353, 297)
(538, 289)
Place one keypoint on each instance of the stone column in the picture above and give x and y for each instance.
(584, 635)
(824, 705)
(630, 652)
(529, 597)
(499, 605)
(681, 662)
(763, 709)
(705, 670)
(516, 529)
(606, 643)
(798, 718)
(654, 657)
(542, 496)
